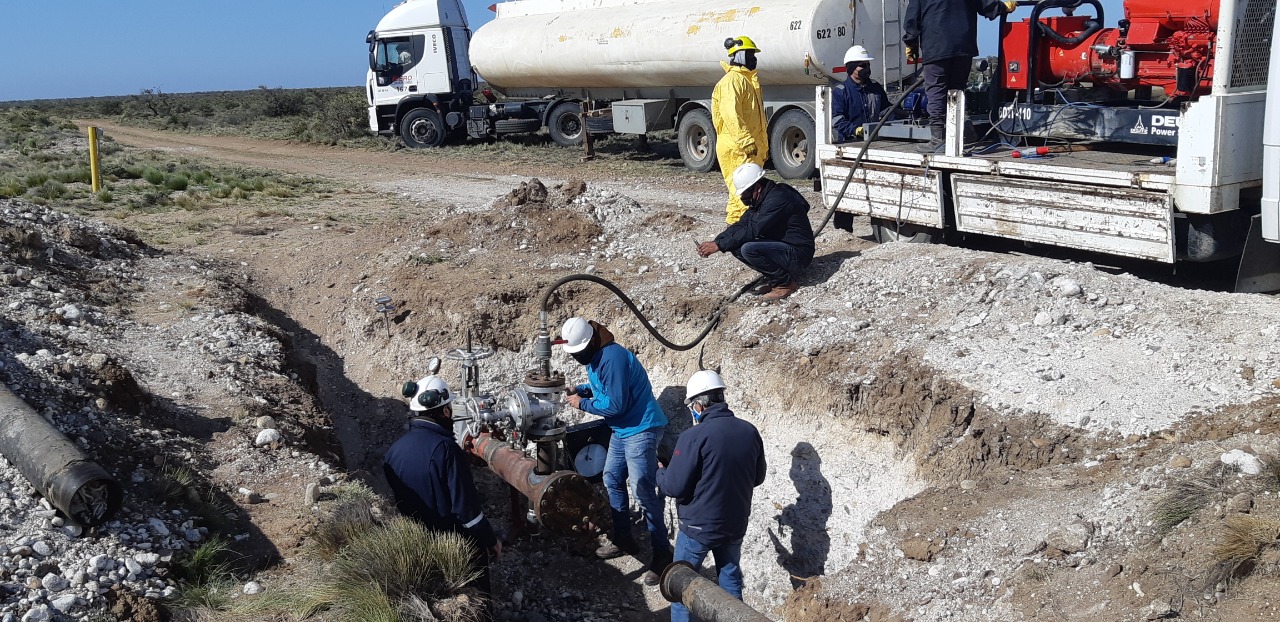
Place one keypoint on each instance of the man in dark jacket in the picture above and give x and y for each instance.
(715, 467)
(431, 479)
(859, 99)
(944, 35)
(773, 237)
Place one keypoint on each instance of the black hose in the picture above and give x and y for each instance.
(711, 325)
(719, 312)
(857, 162)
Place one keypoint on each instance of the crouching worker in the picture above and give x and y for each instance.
(431, 478)
(715, 467)
(773, 237)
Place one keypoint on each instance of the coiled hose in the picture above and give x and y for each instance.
(718, 314)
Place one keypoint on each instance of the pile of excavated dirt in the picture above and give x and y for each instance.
(148, 363)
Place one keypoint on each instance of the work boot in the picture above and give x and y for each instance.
(614, 548)
(660, 562)
(937, 136)
(782, 291)
(761, 289)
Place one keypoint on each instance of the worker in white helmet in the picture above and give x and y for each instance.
(430, 477)
(858, 100)
(618, 389)
(715, 468)
(774, 236)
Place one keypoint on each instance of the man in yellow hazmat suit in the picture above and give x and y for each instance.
(737, 111)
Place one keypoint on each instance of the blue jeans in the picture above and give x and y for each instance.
(780, 262)
(637, 457)
(727, 555)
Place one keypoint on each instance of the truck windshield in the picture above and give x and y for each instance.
(392, 55)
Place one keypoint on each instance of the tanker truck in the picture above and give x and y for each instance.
(638, 66)
(1141, 139)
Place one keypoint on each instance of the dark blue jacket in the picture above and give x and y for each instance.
(854, 105)
(715, 466)
(943, 29)
(431, 481)
(621, 392)
(781, 215)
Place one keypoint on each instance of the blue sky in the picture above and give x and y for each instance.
(51, 49)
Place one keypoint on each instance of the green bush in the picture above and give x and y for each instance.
(104, 196)
(176, 182)
(81, 174)
(153, 176)
(51, 189)
(37, 179)
(282, 103)
(10, 188)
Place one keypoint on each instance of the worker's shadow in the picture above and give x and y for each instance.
(804, 521)
(826, 266)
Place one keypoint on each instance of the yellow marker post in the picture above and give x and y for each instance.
(93, 159)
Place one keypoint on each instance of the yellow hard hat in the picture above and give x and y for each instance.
(740, 43)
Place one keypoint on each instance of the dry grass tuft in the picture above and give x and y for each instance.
(1243, 539)
(1183, 500)
(348, 521)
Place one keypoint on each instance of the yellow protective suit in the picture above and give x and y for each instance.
(737, 111)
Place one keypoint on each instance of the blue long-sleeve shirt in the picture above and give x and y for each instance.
(854, 105)
(713, 471)
(621, 392)
(432, 483)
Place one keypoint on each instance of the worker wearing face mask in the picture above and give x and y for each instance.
(715, 467)
(737, 112)
(618, 389)
(858, 100)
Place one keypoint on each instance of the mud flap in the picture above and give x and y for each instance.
(1259, 271)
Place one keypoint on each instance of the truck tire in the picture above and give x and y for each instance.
(422, 128)
(791, 145)
(696, 139)
(517, 126)
(565, 125)
(885, 231)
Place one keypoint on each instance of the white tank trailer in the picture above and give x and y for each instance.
(638, 66)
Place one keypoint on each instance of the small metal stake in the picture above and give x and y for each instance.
(385, 307)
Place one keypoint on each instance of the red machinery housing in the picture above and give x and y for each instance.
(1161, 43)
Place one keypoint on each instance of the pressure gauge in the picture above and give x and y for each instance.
(590, 460)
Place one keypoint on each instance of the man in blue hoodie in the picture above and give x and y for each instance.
(618, 390)
(715, 468)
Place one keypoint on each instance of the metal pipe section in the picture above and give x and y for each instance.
(75, 485)
(681, 583)
(563, 501)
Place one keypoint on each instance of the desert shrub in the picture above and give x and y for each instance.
(282, 103)
(176, 182)
(220, 191)
(205, 577)
(10, 188)
(51, 189)
(240, 194)
(80, 174)
(377, 572)
(349, 520)
(278, 192)
(153, 176)
(36, 179)
(1182, 501)
(343, 115)
(201, 177)
(104, 196)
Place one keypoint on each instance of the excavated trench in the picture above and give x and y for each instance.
(845, 442)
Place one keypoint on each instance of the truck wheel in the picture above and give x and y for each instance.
(885, 231)
(565, 125)
(696, 139)
(517, 126)
(791, 145)
(422, 128)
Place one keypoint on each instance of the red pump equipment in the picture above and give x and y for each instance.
(1160, 43)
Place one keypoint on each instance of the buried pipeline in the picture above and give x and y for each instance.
(57, 469)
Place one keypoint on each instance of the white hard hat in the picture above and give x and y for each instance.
(701, 382)
(431, 393)
(857, 54)
(746, 176)
(576, 334)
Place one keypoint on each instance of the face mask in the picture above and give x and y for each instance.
(751, 61)
(584, 357)
(859, 73)
(697, 418)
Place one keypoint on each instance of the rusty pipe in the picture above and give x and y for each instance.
(77, 486)
(681, 583)
(562, 501)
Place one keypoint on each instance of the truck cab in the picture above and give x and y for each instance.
(420, 81)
